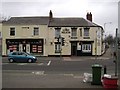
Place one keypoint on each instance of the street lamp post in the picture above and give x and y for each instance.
(96, 47)
(116, 50)
(104, 30)
(106, 23)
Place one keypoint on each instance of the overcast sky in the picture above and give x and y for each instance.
(102, 11)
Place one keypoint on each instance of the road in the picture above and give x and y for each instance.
(51, 73)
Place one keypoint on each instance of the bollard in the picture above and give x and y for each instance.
(105, 69)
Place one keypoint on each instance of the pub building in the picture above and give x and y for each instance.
(37, 35)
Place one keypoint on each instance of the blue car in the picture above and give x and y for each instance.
(21, 57)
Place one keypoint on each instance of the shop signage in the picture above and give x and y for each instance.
(65, 31)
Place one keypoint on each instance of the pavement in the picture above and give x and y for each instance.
(107, 55)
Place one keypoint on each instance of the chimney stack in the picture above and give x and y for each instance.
(89, 16)
(50, 15)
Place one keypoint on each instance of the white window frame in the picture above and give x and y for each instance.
(74, 32)
(0, 34)
(36, 31)
(86, 32)
(57, 48)
(86, 48)
(57, 32)
(12, 29)
(80, 32)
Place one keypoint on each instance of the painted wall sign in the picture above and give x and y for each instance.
(65, 31)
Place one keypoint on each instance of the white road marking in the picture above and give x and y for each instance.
(38, 72)
(4, 63)
(49, 63)
(67, 58)
(103, 58)
(22, 64)
(68, 74)
(40, 64)
(78, 76)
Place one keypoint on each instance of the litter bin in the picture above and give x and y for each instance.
(96, 74)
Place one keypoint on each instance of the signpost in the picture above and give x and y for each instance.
(116, 51)
(61, 41)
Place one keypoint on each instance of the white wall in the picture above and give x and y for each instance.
(25, 34)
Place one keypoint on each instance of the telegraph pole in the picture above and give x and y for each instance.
(60, 48)
(60, 42)
(116, 51)
(96, 47)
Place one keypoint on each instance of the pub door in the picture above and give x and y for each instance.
(24, 47)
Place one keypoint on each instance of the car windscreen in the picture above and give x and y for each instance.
(14, 53)
(28, 53)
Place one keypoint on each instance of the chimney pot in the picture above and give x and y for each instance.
(50, 14)
(89, 16)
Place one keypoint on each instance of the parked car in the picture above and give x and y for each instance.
(21, 57)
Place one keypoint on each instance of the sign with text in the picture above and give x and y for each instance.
(66, 31)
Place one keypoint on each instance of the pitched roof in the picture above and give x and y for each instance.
(71, 22)
(27, 21)
(55, 22)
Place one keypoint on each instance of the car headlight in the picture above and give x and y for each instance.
(34, 57)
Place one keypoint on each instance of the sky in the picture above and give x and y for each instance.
(103, 11)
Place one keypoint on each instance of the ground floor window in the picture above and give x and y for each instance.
(86, 48)
(57, 48)
(12, 48)
(36, 49)
(25, 45)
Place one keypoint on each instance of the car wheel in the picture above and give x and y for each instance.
(29, 60)
(11, 60)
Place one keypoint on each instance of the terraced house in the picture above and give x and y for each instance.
(39, 36)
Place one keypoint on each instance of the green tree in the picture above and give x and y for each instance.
(109, 39)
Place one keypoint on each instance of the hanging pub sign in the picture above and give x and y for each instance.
(66, 31)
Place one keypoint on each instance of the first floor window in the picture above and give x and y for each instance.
(12, 31)
(74, 32)
(86, 32)
(57, 32)
(81, 32)
(57, 48)
(86, 47)
(36, 31)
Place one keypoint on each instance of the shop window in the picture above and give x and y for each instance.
(36, 31)
(57, 48)
(12, 31)
(39, 49)
(36, 49)
(86, 47)
(12, 48)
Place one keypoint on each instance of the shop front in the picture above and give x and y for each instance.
(34, 46)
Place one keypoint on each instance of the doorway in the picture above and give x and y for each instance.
(74, 48)
(24, 48)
